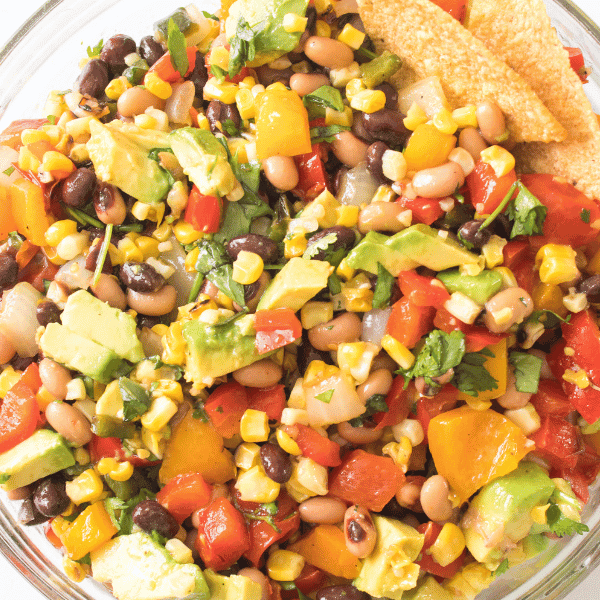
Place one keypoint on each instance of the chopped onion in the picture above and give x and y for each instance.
(74, 275)
(18, 321)
(340, 401)
(180, 101)
(427, 93)
(357, 186)
(7, 157)
(181, 280)
(374, 324)
(151, 342)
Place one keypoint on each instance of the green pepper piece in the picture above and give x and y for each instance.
(380, 69)
(105, 426)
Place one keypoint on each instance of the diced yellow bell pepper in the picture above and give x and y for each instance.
(428, 147)
(281, 124)
(29, 212)
(7, 221)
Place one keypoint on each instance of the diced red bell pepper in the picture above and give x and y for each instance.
(276, 328)
(312, 178)
(408, 323)
(578, 481)
(422, 290)
(111, 447)
(366, 479)
(577, 63)
(164, 68)
(427, 562)
(558, 441)
(476, 338)
(222, 535)
(270, 400)
(397, 403)
(455, 8)
(310, 579)
(316, 446)
(428, 408)
(486, 190)
(184, 494)
(551, 399)
(424, 210)
(226, 406)
(202, 212)
(583, 474)
(515, 252)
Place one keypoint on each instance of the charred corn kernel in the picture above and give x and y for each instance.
(368, 101)
(247, 267)
(286, 443)
(500, 159)
(54, 161)
(284, 565)
(255, 486)
(400, 452)
(79, 153)
(148, 246)
(312, 476)
(115, 88)
(74, 570)
(335, 117)
(322, 29)
(244, 100)
(347, 215)
(416, 116)
(294, 244)
(538, 514)
(355, 86)
(384, 193)
(169, 388)
(393, 165)
(525, 418)
(160, 413)
(59, 525)
(247, 83)
(179, 551)
(27, 160)
(155, 85)
(547, 296)
(399, 352)
(185, 233)
(59, 230)
(345, 271)
(219, 57)
(44, 398)
(247, 455)
(145, 121)
(449, 544)
(224, 92)
(492, 251)
(314, 313)
(129, 250)
(87, 487)
(254, 426)
(575, 302)
(556, 263)
(410, 428)
(30, 136)
(464, 308)
(351, 37)
(73, 245)
(578, 378)
(444, 122)
(294, 23)
(357, 299)
(52, 255)
(162, 233)
(317, 370)
(508, 278)
(465, 116)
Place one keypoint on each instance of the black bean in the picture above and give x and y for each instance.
(77, 189)
(386, 125)
(341, 592)
(276, 463)
(591, 288)
(350, 18)
(91, 259)
(9, 271)
(311, 16)
(252, 242)
(141, 277)
(47, 312)
(472, 233)
(150, 50)
(29, 514)
(307, 353)
(105, 197)
(115, 50)
(199, 77)
(20, 363)
(393, 509)
(50, 497)
(219, 112)
(250, 290)
(151, 516)
(375, 161)
(391, 95)
(147, 321)
(266, 75)
(345, 238)
(93, 78)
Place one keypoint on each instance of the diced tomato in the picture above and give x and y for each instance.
(184, 494)
(222, 535)
(526, 276)
(551, 399)
(270, 400)
(202, 212)
(422, 290)
(427, 408)
(577, 63)
(455, 8)
(38, 270)
(11, 136)
(164, 68)
(226, 406)
(408, 323)
(366, 479)
(515, 252)
(276, 328)
(424, 210)
(111, 447)
(311, 171)
(316, 446)
(578, 481)
(397, 403)
(427, 562)
(310, 579)
(486, 190)
(558, 441)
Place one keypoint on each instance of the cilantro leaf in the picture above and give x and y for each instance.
(8, 172)
(177, 48)
(325, 396)
(211, 256)
(230, 128)
(374, 404)
(4, 478)
(200, 413)
(120, 511)
(159, 539)
(585, 215)
(324, 97)
(334, 284)
(210, 15)
(383, 287)
(218, 73)
(502, 568)
(561, 525)
(136, 400)
(471, 377)
(527, 371)
(158, 364)
(222, 277)
(95, 50)
(527, 213)
(242, 46)
(325, 246)
(326, 133)
(52, 120)
(549, 319)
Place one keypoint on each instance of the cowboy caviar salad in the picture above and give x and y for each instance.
(274, 328)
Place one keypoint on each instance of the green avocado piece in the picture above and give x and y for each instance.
(120, 151)
(139, 568)
(204, 160)
(534, 544)
(79, 353)
(40, 455)
(428, 589)
(373, 249)
(390, 569)
(505, 503)
(296, 284)
(431, 248)
(110, 327)
(232, 587)
(379, 69)
(480, 288)
(265, 17)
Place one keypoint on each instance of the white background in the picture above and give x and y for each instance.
(19, 588)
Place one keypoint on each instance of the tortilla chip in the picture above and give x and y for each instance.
(519, 32)
(431, 42)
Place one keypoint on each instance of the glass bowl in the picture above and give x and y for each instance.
(42, 56)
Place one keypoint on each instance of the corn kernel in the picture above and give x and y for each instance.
(411, 429)
(115, 89)
(247, 455)
(162, 233)
(384, 193)
(44, 398)
(368, 101)
(344, 271)
(500, 159)
(400, 452)
(399, 352)
(449, 544)
(8, 378)
(160, 413)
(247, 267)
(155, 85)
(154, 441)
(355, 86)
(416, 116)
(247, 83)
(219, 57)
(556, 264)
(312, 476)
(225, 92)
(179, 551)
(286, 443)
(148, 246)
(465, 116)
(576, 302)
(357, 299)
(294, 244)
(87, 487)
(393, 165)
(244, 101)
(129, 250)
(347, 215)
(465, 309)
(82, 456)
(578, 378)
(56, 163)
(254, 426)
(284, 565)
(294, 23)
(322, 29)
(27, 160)
(508, 278)
(334, 117)
(351, 37)
(548, 297)
(538, 514)
(492, 251)
(444, 122)
(355, 358)
(255, 486)
(59, 230)
(169, 388)
(74, 570)
(30, 136)
(185, 233)
(145, 121)
(317, 371)
(73, 245)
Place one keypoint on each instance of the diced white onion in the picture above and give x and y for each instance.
(18, 321)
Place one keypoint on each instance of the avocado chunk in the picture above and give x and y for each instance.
(505, 503)
(428, 589)
(233, 587)
(141, 569)
(373, 249)
(379, 69)
(204, 160)
(40, 455)
(120, 153)
(110, 327)
(390, 569)
(80, 354)
(480, 288)
(431, 248)
(265, 18)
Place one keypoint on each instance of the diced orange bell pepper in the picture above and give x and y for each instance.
(197, 447)
(325, 548)
(29, 211)
(471, 447)
(428, 147)
(7, 221)
(89, 531)
(281, 124)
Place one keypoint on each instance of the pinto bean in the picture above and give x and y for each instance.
(491, 122)
(328, 52)
(434, 498)
(55, 378)
(438, 182)
(321, 510)
(282, 172)
(344, 328)
(69, 422)
(349, 149)
(154, 304)
(378, 382)
(382, 216)
(261, 374)
(307, 83)
(136, 100)
(470, 139)
(506, 308)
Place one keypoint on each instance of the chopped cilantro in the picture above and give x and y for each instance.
(547, 318)
(334, 284)
(561, 525)
(527, 213)
(527, 371)
(242, 47)
(120, 511)
(159, 539)
(383, 287)
(210, 15)
(210, 256)
(324, 97)
(325, 396)
(94, 51)
(200, 413)
(218, 73)
(8, 172)
(158, 364)
(222, 277)
(502, 568)
(326, 133)
(230, 128)
(374, 404)
(52, 120)
(471, 377)
(177, 48)
(136, 400)
(4, 478)
(585, 215)
(325, 244)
